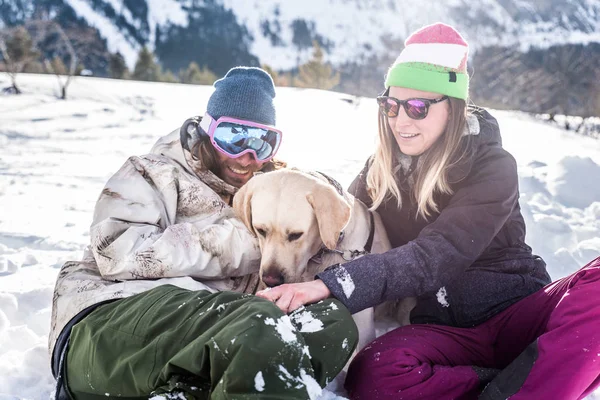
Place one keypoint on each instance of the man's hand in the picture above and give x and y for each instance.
(290, 297)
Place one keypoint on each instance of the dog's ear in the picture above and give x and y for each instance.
(332, 212)
(242, 206)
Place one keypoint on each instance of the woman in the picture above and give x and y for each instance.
(448, 196)
(142, 314)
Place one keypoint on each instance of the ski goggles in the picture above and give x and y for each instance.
(236, 137)
(415, 108)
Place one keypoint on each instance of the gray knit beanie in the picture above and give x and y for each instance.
(244, 93)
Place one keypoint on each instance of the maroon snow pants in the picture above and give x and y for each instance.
(547, 346)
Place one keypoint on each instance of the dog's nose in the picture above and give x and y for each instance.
(272, 280)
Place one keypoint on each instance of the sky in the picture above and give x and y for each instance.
(56, 156)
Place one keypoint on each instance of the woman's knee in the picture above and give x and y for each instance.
(377, 357)
(378, 365)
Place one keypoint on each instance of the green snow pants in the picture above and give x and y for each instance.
(202, 345)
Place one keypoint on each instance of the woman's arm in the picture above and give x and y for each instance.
(135, 235)
(443, 249)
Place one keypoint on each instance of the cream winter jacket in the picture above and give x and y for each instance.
(159, 220)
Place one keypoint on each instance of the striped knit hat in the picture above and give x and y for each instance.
(434, 59)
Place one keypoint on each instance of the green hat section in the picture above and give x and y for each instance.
(429, 78)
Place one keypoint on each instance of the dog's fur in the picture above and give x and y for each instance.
(295, 214)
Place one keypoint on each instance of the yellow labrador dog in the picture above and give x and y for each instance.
(306, 222)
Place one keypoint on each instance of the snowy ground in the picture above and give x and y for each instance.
(55, 157)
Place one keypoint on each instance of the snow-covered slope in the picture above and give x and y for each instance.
(55, 157)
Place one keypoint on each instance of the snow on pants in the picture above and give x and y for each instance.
(546, 346)
(202, 345)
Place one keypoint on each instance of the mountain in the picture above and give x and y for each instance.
(360, 37)
(281, 32)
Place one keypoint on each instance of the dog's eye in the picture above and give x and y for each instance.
(294, 236)
(261, 232)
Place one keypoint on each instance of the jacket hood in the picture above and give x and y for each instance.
(170, 146)
(480, 131)
(484, 133)
(488, 129)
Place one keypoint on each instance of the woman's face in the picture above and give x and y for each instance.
(237, 171)
(414, 137)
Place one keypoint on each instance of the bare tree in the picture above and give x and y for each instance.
(571, 71)
(51, 36)
(591, 107)
(16, 49)
(497, 78)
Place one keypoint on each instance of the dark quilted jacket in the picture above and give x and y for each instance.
(467, 262)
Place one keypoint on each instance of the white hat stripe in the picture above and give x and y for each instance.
(445, 55)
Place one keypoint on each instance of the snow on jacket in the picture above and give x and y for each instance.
(159, 220)
(467, 262)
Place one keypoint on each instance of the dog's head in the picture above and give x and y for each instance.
(293, 214)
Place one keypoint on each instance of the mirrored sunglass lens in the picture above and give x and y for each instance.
(390, 107)
(416, 109)
(236, 138)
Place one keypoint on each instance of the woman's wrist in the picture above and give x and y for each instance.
(322, 288)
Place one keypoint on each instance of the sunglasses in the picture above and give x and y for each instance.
(415, 108)
(236, 137)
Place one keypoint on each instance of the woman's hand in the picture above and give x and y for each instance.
(290, 297)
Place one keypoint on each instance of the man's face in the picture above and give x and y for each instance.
(237, 171)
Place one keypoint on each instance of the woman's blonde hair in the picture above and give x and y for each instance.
(204, 151)
(432, 175)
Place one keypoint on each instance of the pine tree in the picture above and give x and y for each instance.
(189, 75)
(285, 79)
(315, 73)
(196, 75)
(271, 72)
(117, 67)
(169, 77)
(206, 77)
(280, 79)
(146, 69)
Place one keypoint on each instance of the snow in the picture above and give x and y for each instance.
(259, 382)
(312, 386)
(55, 157)
(160, 14)
(569, 187)
(345, 281)
(441, 297)
(307, 321)
(305, 379)
(285, 376)
(115, 39)
(356, 30)
(306, 351)
(164, 12)
(284, 328)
